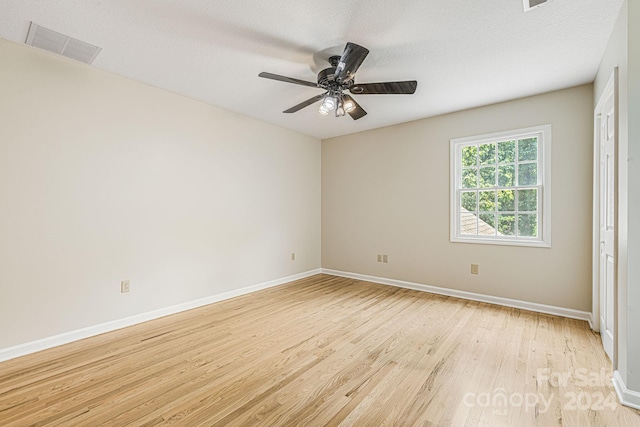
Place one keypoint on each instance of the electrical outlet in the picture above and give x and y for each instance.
(474, 268)
(125, 286)
(385, 258)
(379, 258)
(293, 256)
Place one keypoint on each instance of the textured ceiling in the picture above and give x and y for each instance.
(463, 53)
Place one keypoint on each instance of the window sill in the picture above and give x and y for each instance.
(502, 242)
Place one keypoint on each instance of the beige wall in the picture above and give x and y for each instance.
(633, 302)
(104, 179)
(386, 191)
(616, 55)
(623, 51)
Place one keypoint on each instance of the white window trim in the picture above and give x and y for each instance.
(544, 220)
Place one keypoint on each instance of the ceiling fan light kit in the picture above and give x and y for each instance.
(338, 103)
(340, 77)
(329, 103)
(349, 106)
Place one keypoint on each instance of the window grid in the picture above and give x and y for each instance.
(499, 167)
(514, 212)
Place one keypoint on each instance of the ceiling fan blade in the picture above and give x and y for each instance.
(287, 79)
(386, 88)
(358, 112)
(305, 103)
(350, 61)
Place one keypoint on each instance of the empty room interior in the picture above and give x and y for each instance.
(352, 213)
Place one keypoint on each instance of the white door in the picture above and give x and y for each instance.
(607, 214)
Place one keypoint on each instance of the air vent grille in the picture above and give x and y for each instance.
(61, 44)
(532, 4)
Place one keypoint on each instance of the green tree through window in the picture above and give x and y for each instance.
(499, 185)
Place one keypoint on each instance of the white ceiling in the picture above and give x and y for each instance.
(463, 53)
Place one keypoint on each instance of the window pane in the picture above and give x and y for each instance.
(468, 224)
(506, 176)
(470, 156)
(487, 154)
(528, 225)
(506, 200)
(506, 152)
(487, 202)
(506, 225)
(487, 224)
(468, 200)
(499, 180)
(528, 174)
(487, 177)
(528, 200)
(469, 178)
(528, 149)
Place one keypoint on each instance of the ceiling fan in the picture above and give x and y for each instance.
(340, 77)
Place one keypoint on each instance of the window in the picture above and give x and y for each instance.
(501, 188)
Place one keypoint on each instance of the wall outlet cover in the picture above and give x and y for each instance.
(125, 286)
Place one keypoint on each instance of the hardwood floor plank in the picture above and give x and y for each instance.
(328, 351)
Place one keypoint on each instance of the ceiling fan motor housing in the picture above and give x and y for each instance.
(326, 77)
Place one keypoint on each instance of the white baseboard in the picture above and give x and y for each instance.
(627, 397)
(507, 302)
(67, 337)
(593, 323)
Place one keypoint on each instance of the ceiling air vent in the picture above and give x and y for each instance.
(55, 42)
(532, 4)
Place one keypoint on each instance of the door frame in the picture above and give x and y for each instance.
(611, 86)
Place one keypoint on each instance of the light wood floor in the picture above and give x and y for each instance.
(324, 351)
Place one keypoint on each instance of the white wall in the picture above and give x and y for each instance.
(386, 191)
(104, 179)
